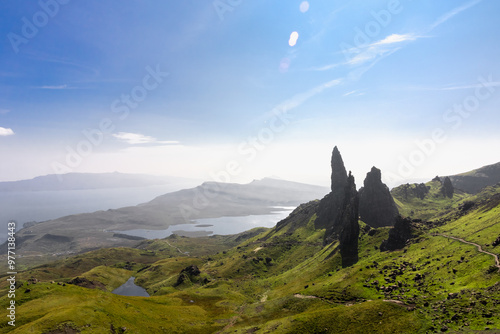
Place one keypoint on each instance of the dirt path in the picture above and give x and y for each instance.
(185, 253)
(392, 301)
(479, 248)
(232, 322)
(298, 295)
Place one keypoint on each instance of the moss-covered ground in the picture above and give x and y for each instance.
(282, 281)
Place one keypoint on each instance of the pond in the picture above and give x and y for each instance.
(130, 289)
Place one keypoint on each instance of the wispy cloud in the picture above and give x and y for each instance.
(138, 139)
(353, 93)
(326, 67)
(4, 111)
(6, 132)
(459, 87)
(299, 99)
(453, 12)
(363, 58)
(395, 38)
(61, 61)
(365, 53)
(379, 48)
(54, 87)
(327, 24)
(453, 86)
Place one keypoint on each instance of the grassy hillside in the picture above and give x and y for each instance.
(426, 201)
(283, 280)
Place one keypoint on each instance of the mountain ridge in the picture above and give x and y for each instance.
(84, 181)
(475, 180)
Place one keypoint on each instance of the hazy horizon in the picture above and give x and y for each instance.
(359, 182)
(225, 92)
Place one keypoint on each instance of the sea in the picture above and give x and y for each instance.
(222, 225)
(38, 206)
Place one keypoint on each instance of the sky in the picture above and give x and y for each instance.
(236, 90)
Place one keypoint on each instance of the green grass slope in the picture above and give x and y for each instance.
(284, 280)
(425, 201)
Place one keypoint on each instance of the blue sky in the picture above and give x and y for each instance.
(238, 90)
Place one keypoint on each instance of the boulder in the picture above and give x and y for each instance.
(496, 242)
(398, 235)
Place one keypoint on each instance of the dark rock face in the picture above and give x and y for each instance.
(447, 188)
(398, 235)
(412, 190)
(496, 242)
(473, 181)
(330, 204)
(348, 219)
(338, 212)
(421, 190)
(187, 274)
(465, 207)
(84, 282)
(339, 173)
(297, 217)
(376, 205)
(326, 213)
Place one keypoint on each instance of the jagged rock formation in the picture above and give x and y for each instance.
(331, 203)
(398, 235)
(419, 190)
(447, 188)
(188, 274)
(376, 205)
(339, 173)
(348, 219)
(338, 212)
(86, 283)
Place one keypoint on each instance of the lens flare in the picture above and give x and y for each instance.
(304, 6)
(294, 36)
(284, 65)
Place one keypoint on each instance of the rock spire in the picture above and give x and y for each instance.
(376, 205)
(349, 232)
(338, 212)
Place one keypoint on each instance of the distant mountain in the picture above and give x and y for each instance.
(210, 200)
(82, 181)
(472, 182)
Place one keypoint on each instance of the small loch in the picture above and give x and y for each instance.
(130, 289)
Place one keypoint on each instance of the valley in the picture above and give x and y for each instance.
(291, 278)
(48, 240)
